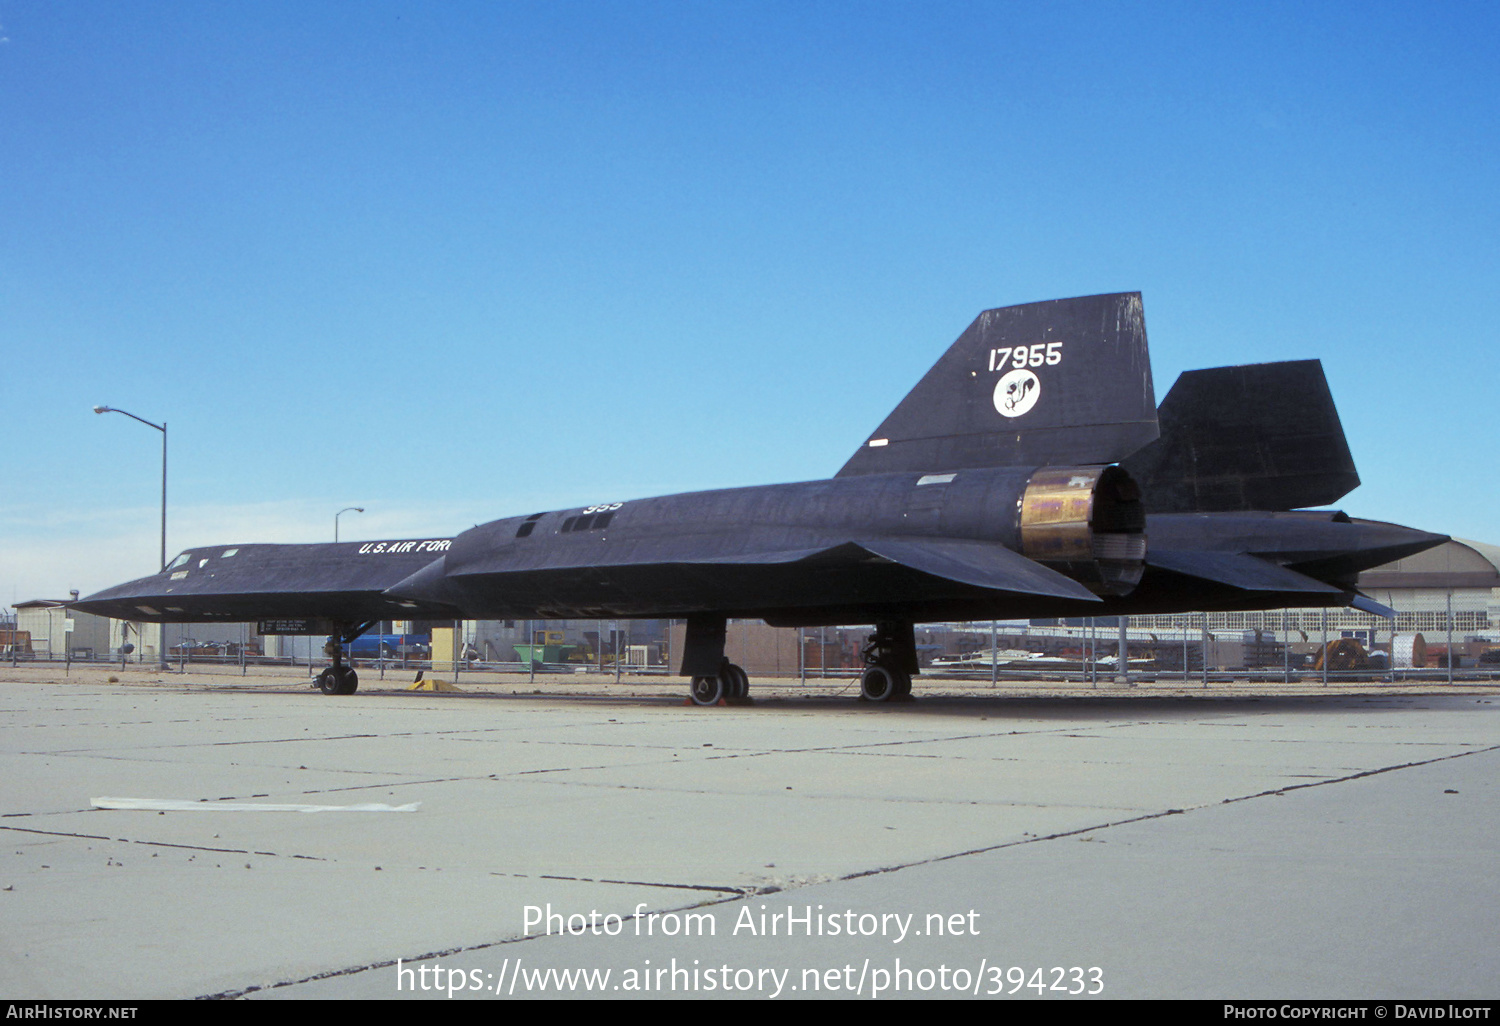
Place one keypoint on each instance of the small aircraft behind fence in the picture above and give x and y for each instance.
(1022, 476)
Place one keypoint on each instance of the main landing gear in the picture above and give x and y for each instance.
(339, 679)
(731, 682)
(714, 678)
(890, 660)
(890, 663)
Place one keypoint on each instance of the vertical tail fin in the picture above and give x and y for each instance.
(1061, 382)
(1264, 436)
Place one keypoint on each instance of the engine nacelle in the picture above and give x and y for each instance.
(1088, 523)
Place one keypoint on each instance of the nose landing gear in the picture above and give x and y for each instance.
(339, 679)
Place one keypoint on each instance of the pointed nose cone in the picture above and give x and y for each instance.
(134, 600)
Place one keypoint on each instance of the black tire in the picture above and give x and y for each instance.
(707, 690)
(903, 685)
(878, 685)
(736, 681)
(341, 681)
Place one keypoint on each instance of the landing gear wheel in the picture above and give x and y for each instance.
(736, 681)
(707, 690)
(879, 684)
(338, 680)
(890, 657)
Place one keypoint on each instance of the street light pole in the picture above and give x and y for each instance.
(346, 509)
(162, 427)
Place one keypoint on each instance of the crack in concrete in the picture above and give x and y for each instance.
(819, 795)
(734, 894)
(1361, 774)
(1171, 812)
(162, 844)
(738, 892)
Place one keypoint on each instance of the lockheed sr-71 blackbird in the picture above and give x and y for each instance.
(1029, 473)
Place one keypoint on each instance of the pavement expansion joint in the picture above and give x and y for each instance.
(1032, 839)
(280, 740)
(1362, 773)
(730, 894)
(162, 844)
(731, 889)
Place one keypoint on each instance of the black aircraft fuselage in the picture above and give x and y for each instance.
(866, 550)
(1028, 474)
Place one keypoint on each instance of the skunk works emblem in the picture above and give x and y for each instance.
(1017, 392)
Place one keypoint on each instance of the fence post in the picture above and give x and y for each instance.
(1325, 646)
(1286, 651)
(1124, 677)
(1450, 635)
(1203, 626)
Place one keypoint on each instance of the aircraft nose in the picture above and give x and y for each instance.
(123, 601)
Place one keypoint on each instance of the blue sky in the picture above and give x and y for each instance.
(457, 261)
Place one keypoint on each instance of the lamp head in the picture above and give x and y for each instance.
(101, 409)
